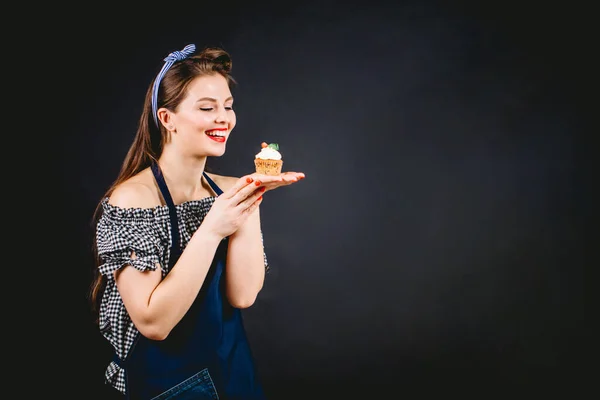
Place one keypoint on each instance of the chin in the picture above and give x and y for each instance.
(216, 153)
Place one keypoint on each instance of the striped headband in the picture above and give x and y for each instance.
(169, 61)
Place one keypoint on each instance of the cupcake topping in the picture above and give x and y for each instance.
(269, 152)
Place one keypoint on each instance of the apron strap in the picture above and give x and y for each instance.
(175, 247)
(162, 185)
(212, 184)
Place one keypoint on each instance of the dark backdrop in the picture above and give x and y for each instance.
(437, 241)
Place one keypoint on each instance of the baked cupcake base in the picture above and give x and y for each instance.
(268, 167)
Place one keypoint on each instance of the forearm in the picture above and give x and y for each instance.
(175, 294)
(245, 272)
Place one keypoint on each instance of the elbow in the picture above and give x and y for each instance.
(157, 336)
(242, 297)
(154, 332)
(242, 301)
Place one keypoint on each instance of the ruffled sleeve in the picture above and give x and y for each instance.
(122, 232)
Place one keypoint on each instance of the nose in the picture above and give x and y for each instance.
(222, 116)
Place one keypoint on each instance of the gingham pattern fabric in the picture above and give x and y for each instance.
(146, 232)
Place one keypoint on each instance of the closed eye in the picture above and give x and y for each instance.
(210, 108)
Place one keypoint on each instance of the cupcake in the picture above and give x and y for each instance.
(268, 161)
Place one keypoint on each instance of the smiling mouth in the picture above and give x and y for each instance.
(216, 135)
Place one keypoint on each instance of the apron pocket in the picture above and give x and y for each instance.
(199, 386)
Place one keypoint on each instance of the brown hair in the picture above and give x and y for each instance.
(149, 139)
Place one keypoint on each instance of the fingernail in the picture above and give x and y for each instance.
(259, 198)
(262, 189)
(257, 183)
(249, 180)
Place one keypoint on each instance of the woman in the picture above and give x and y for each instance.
(179, 249)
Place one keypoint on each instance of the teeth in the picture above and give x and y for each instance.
(213, 133)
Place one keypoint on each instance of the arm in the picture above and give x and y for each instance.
(245, 271)
(156, 305)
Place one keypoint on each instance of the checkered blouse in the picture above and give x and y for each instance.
(147, 233)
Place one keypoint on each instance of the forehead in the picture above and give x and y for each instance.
(214, 86)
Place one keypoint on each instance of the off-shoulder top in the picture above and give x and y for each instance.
(145, 231)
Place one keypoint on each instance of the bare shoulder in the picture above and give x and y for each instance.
(223, 181)
(138, 191)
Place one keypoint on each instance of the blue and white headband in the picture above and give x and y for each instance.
(169, 61)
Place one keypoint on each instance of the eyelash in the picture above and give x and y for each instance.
(210, 109)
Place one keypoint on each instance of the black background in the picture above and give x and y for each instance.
(438, 240)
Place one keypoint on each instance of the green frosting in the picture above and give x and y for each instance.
(274, 146)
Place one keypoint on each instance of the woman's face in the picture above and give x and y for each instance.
(205, 117)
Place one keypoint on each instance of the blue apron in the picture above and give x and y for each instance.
(207, 355)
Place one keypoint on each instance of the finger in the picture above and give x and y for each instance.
(286, 179)
(290, 178)
(241, 183)
(250, 200)
(299, 175)
(246, 192)
(267, 178)
(275, 185)
(292, 173)
(253, 206)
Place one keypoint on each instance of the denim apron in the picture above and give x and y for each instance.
(207, 355)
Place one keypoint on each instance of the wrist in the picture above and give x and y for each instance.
(251, 222)
(208, 235)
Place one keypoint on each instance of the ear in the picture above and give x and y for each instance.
(165, 118)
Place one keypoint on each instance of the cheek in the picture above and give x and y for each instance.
(204, 122)
(232, 121)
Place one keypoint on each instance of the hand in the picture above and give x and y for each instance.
(273, 182)
(231, 209)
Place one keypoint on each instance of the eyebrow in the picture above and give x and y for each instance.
(211, 99)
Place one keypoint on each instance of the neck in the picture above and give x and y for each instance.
(183, 176)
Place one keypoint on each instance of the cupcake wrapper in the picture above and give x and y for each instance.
(268, 167)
